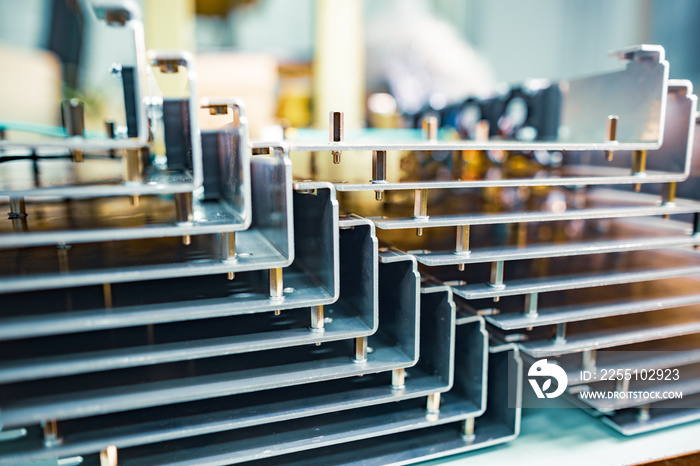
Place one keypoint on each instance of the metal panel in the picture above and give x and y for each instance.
(499, 424)
(121, 14)
(394, 346)
(93, 219)
(612, 204)
(432, 374)
(548, 275)
(89, 395)
(583, 167)
(577, 305)
(301, 435)
(688, 385)
(353, 315)
(491, 243)
(612, 331)
(628, 422)
(268, 244)
(637, 95)
(102, 174)
(675, 154)
(661, 354)
(311, 280)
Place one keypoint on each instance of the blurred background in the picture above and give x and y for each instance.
(294, 60)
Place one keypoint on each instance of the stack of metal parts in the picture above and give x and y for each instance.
(550, 236)
(188, 303)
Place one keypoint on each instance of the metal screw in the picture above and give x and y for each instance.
(336, 132)
(611, 134)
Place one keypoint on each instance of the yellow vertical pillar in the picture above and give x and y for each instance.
(339, 62)
(169, 24)
(339, 80)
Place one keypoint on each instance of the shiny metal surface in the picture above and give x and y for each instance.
(580, 167)
(301, 435)
(548, 275)
(627, 421)
(181, 421)
(637, 95)
(578, 305)
(101, 175)
(94, 219)
(112, 14)
(311, 280)
(394, 346)
(353, 315)
(269, 243)
(602, 204)
(616, 331)
(568, 239)
(670, 352)
(500, 423)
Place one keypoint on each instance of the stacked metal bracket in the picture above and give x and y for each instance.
(170, 296)
(558, 264)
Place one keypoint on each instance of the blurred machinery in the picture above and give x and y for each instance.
(171, 295)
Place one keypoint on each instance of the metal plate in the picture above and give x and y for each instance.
(87, 395)
(498, 243)
(659, 354)
(301, 435)
(614, 331)
(310, 281)
(353, 315)
(577, 305)
(32, 172)
(628, 422)
(121, 261)
(608, 204)
(637, 95)
(395, 345)
(499, 424)
(675, 154)
(548, 275)
(93, 219)
(582, 167)
(432, 374)
(104, 17)
(688, 385)
(268, 244)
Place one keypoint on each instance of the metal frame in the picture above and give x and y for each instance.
(625, 235)
(353, 315)
(433, 374)
(114, 12)
(628, 422)
(654, 297)
(641, 269)
(586, 104)
(268, 244)
(56, 222)
(395, 346)
(153, 183)
(312, 280)
(605, 333)
(678, 140)
(677, 147)
(499, 424)
(661, 354)
(301, 435)
(689, 385)
(624, 205)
